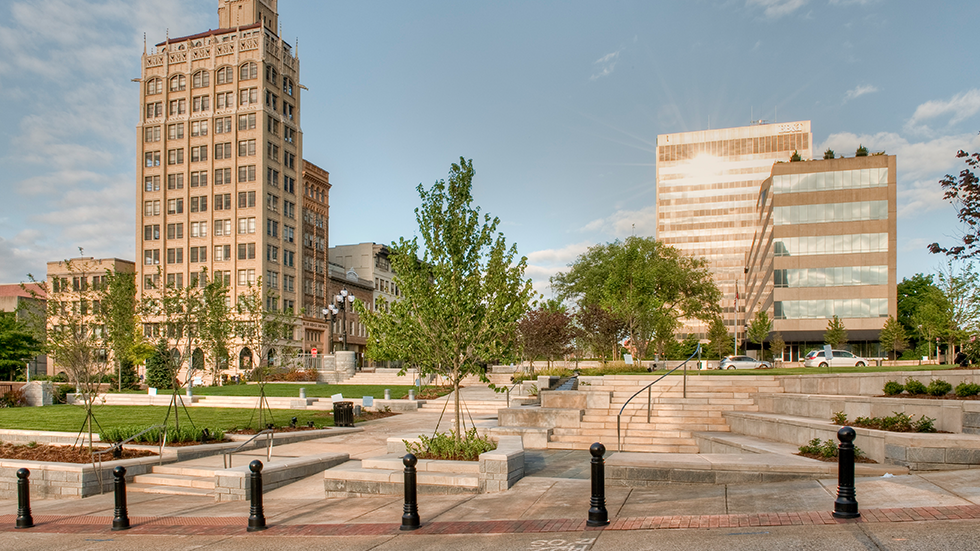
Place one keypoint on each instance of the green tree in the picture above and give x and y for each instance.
(777, 345)
(836, 334)
(159, 367)
(759, 330)
(961, 288)
(829, 154)
(546, 332)
(861, 151)
(217, 326)
(893, 336)
(18, 345)
(116, 296)
(462, 292)
(75, 335)
(644, 283)
(795, 157)
(720, 341)
(600, 330)
(963, 193)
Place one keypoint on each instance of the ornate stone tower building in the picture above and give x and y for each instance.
(219, 153)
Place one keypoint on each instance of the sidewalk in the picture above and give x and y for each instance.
(552, 498)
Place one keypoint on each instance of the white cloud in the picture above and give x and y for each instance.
(859, 91)
(774, 9)
(960, 107)
(607, 64)
(920, 164)
(624, 223)
(69, 132)
(542, 265)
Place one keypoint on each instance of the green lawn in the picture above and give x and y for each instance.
(69, 418)
(284, 390)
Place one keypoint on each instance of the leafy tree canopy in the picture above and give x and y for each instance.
(17, 346)
(836, 334)
(647, 285)
(964, 194)
(462, 289)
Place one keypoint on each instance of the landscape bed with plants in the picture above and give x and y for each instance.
(938, 389)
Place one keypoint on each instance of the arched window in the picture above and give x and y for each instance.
(178, 83)
(248, 71)
(197, 359)
(245, 358)
(202, 79)
(225, 75)
(154, 86)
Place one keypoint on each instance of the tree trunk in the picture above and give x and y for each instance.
(459, 415)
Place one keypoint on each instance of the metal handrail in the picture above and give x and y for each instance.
(619, 445)
(119, 445)
(515, 385)
(226, 456)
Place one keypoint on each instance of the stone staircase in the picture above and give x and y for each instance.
(673, 420)
(175, 480)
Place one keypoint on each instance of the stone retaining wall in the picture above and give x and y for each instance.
(234, 484)
(868, 384)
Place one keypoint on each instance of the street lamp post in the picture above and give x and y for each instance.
(344, 301)
(330, 312)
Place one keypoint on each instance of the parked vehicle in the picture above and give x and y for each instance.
(743, 362)
(841, 358)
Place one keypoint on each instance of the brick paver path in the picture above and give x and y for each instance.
(217, 526)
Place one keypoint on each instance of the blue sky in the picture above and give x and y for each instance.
(558, 104)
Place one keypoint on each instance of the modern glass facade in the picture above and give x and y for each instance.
(826, 247)
(708, 186)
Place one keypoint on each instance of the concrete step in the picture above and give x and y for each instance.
(633, 447)
(172, 480)
(373, 478)
(168, 490)
(178, 470)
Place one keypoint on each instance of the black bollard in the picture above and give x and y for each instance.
(256, 517)
(121, 520)
(24, 518)
(598, 516)
(846, 505)
(292, 423)
(410, 518)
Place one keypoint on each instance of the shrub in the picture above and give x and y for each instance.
(61, 392)
(939, 387)
(826, 449)
(899, 422)
(967, 389)
(13, 399)
(892, 388)
(186, 433)
(444, 445)
(839, 418)
(914, 387)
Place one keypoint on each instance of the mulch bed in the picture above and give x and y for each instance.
(929, 397)
(61, 454)
(819, 457)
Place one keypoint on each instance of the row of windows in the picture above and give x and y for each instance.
(831, 244)
(743, 146)
(222, 125)
(223, 75)
(821, 181)
(830, 212)
(201, 104)
(826, 309)
(197, 279)
(222, 201)
(840, 276)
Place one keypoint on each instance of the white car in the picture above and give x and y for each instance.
(841, 358)
(743, 362)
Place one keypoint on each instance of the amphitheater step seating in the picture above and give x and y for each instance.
(174, 480)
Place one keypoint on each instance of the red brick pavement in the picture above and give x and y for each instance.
(234, 525)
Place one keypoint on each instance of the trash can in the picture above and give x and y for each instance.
(343, 414)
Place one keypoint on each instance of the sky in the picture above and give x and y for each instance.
(558, 104)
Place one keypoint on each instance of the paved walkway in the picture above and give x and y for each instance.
(552, 499)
